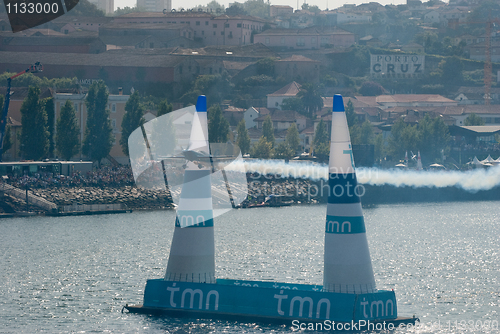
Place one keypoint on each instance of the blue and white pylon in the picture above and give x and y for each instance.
(192, 253)
(348, 267)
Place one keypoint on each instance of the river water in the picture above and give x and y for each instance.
(74, 274)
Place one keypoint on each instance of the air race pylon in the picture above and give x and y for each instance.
(192, 257)
(348, 266)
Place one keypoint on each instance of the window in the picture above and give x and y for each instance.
(214, 33)
(113, 123)
(238, 25)
(226, 25)
(151, 45)
(76, 106)
(268, 40)
(203, 33)
(222, 33)
(66, 31)
(197, 23)
(301, 41)
(282, 41)
(313, 40)
(113, 107)
(215, 25)
(206, 23)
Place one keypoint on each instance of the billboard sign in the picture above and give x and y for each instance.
(397, 66)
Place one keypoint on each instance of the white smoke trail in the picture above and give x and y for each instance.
(472, 181)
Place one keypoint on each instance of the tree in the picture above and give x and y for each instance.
(452, 70)
(378, 143)
(350, 114)
(85, 8)
(34, 133)
(218, 125)
(236, 9)
(68, 133)
(473, 119)
(371, 88)
(295, 104)
(48, 105)
(321, 135)
(292, 137)
(257, 8)
(268, 130)
(262, 149)
(132, 119)
(366, 133)
(434, 137)
(98, 132)
(243, 140)
(7, 141)
(403, 138)
(265, 66)
(311, 98)
(283, 151)
(164, 108)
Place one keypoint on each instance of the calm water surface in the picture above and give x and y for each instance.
(74, 274)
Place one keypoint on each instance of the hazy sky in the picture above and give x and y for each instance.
(322, 4)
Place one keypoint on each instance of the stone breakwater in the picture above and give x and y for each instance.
(293, 190)
(134, 198)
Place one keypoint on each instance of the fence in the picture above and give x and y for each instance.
(32, 199)
(92, 207)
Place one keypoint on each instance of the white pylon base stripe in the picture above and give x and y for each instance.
(344, 209)
(195, 204)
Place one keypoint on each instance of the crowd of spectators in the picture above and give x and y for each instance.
(103, 177)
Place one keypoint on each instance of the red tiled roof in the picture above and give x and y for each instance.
(289, 90)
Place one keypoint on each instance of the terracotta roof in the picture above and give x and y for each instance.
(468, 109)
(20, 93)
(299, 58)
(289, 90)
(281, 116)
(236, 65)
(408, 98)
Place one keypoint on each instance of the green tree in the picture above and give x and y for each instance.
(257, 8)
(98, 139)
(311, 98)
(321, 135)
(265, 66)
(34, 133)
(371, 88)
(48, 105)
(268, 130)
(236, 9)
(434, 138)
(295, 104)
(283, 151)
(68, 133)
(262, 149)
(403, 138)
(378, 143)
(473, 119)
(164, 108)
(85, 8)
(218, 125)
(243, 140)
(350, 114)
(7, 141)
(292, 137)
(132, 119)
(366, 135)
(452, 70)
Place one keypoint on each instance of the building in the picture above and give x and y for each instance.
(147, 35)
(297, 67)
(280, 11)
(307, 38)
(155, 5)
(116, 106)
(208, 29)
(275, 100)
